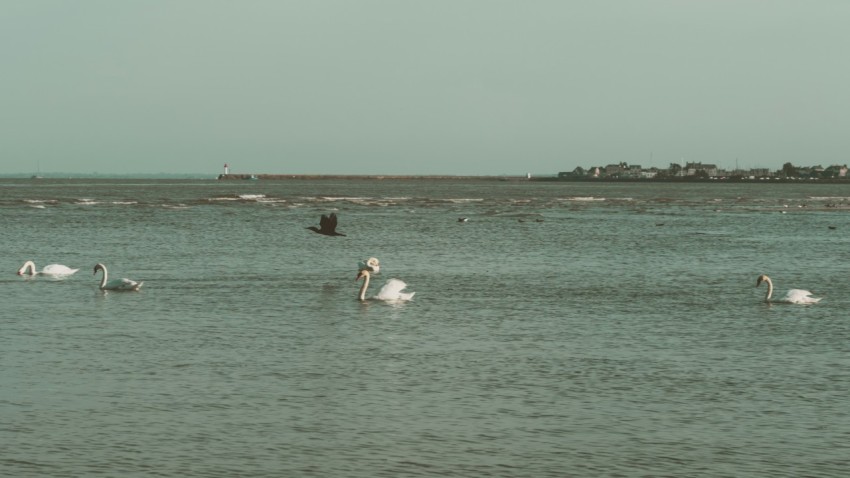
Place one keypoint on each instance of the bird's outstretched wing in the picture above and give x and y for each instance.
(327, 224)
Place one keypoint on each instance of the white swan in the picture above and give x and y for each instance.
(793, 296)
(56, 270)
(391, 291)
(116, 284)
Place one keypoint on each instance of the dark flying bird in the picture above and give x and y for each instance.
(327, 226)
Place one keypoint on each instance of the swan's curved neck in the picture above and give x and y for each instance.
(103, 280)
(769, 288)
(364, 287)
(28, 266)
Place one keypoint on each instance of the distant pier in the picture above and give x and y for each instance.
(281, 177)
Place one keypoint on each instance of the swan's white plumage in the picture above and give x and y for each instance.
(55, 270)
(121, 284)
(799, 296)
(58, 270)
(392, 290)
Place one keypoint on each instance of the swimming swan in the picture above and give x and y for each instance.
(49, 270)
(793, 296)
(391, 291)
(116, 284)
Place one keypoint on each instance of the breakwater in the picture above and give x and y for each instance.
(280, 177)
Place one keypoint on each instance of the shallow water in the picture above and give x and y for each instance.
(566, 329)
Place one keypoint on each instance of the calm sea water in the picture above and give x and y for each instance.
(566, 329)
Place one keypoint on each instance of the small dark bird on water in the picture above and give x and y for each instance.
(327, 226)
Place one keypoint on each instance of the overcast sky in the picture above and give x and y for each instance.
(420, 86)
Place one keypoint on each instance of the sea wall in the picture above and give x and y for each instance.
(278, 177)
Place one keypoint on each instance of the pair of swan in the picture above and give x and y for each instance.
(793, 296)
(54, 270)
(391, 291)
(58, 270)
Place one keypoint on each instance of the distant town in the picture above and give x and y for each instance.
(703, 171)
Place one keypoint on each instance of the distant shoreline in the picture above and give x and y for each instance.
(434, 177)
(554, 179)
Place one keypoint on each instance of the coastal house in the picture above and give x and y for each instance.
(699, 169)
(613, 170)
(835, 171)
(578, 172)
(649, 173)
(620, 170)
(808, 172)
(635, 170)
